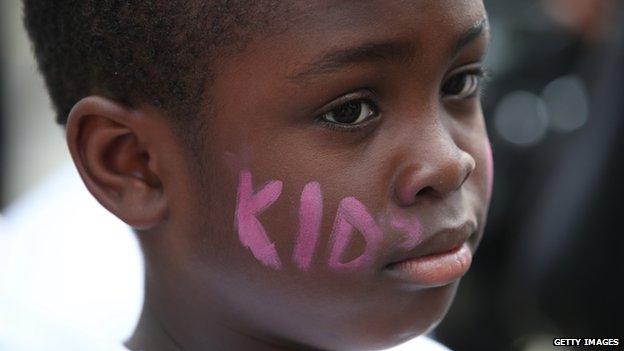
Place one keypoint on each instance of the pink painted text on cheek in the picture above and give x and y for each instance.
(489, 167)
(351, 215)
(250, 231)
(310, 215)
(412, 230)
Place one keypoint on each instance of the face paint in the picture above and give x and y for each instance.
(310, 215)
(250, 231)
(489, 167)
(412, 229)
(352, 214)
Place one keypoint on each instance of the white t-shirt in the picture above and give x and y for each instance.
(64, 289)
(421, 343)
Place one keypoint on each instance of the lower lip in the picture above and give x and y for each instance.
(434, 270)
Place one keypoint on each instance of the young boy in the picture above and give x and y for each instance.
(300, 174)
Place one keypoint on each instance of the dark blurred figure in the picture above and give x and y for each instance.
(551, 262)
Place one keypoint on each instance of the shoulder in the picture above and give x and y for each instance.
(421, 343)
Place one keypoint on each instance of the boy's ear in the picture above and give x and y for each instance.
(109, 144)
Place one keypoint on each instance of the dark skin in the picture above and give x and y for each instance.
(420, 150)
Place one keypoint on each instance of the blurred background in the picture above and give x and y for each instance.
(548, 266)
(61, 288)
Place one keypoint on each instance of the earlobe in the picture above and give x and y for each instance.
(107, 144)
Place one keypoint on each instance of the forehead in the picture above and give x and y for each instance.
(304, 32)
(330, 20)
(306, 27)
(345, 15)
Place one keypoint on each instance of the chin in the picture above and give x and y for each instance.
(397, 322)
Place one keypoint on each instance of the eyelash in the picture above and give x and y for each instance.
(347, 127)
(477, 74)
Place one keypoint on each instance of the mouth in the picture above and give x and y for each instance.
(442, 259)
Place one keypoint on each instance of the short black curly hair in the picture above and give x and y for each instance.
(136, 51)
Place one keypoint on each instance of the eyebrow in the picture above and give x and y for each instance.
(384, 51)
(475, 31)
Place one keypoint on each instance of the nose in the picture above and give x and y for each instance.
(436, 172)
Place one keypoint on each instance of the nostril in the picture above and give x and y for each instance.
(465, 178)
(425, 191)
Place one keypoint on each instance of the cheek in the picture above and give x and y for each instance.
(351, 221)
(353, 215)
(489, 168)
(310, 218)
(411, 228)
(479, 146)
(251, 232)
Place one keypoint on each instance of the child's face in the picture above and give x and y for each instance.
(356, 115)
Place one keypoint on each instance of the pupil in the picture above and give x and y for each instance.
(456, 85)
(348, 112)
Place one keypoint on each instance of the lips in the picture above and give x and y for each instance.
(440, 260)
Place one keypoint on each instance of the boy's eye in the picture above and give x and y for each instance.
(352, 112)
(462, 85)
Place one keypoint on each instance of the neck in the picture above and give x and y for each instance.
(193, 333)
(150, 334)
(185, 317)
